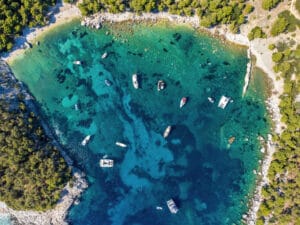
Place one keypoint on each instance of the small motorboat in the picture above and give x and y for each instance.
(120, 144)
(172, 206)
(76, 107)
(161, 85)
(183, 102)
(159, 208)
(135, 81)
(86, 140)
(211, 100)
(231, 140)
(107, 82)
(167, 131)
(106, 163)
(77, 62)
(104, 55)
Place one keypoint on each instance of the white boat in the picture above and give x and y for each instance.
(183, 102)
(104, 55)
(211, 100)
(167, 131)
(86, 140)
(172, 206)
(77, 62)
(159, 208)
(120, 144)
(107, 82)
(135, 81)
(160, 85)
(106, 163)
(76, 107)
(223, 102)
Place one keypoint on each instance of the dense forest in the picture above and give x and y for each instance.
(281, 203)
(15, 15)
(32, 171)
(232, 12)
(18, 14)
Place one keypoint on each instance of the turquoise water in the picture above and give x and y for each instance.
(4, 219)
(209, 179)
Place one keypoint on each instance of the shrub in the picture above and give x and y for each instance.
(272, 46)
(277, 56)
(279, 26)
(256, 32)
(269, 4)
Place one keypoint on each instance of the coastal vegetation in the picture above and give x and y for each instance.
(281, 204)
(16, 15)
(256, 32)
(211, 13)
(270, 4)
(286, 22)
(298, 5)
(32, 171)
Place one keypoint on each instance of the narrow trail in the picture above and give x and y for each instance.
(294, 10)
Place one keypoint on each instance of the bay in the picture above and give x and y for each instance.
(210, 179)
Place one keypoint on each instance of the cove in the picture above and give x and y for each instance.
(210, 179)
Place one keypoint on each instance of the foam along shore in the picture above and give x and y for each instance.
(257, 47)
(59, 14)
(69, 193)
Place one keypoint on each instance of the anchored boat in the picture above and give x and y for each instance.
(86, 140)
(211, 100)
(160, 85)
(120, 144)
(172, 206)
(183, 102)
(77, 62)
(106, 163)
(167, 131)
(231, 140)
(107, 82)
(135, 81)
(104, 55)
(223, 102)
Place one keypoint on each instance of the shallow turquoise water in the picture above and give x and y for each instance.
(208, 178)
(4, 219)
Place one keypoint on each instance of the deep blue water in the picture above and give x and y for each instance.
(209, 179)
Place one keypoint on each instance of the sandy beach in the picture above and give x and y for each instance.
(257, 48)
(59, 14)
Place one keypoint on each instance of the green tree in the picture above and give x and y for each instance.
(269, 4)
(256, 32)
(279, 26)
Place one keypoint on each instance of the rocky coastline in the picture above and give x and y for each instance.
(10, 88)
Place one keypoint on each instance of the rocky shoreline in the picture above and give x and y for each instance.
(10, 88)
